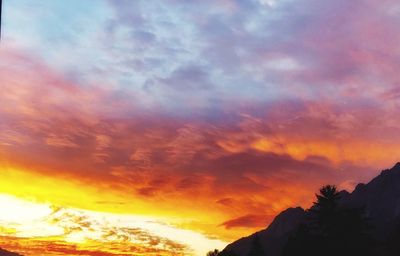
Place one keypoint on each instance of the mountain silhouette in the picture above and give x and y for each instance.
(8, 253)
(272, 238)
(379, 201)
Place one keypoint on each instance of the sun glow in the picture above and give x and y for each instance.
(54, 210)
(16, 210)
(97, 231)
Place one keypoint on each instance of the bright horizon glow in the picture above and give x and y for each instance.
(27, 219)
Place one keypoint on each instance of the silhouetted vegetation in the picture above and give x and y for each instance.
(213, 253)
(219, 253)
(332, 230)
(227, 253)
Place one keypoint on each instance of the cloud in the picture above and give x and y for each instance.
(188, 78)
(249, 220)
(100, 138)
(239, 106)
(88, 233)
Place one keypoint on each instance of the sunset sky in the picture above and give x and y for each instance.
(173, 127)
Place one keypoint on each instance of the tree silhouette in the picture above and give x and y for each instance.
(331, 230)
(213, 253)
(325, 208)
(227, 253)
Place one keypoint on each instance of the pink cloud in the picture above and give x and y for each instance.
(278, 108)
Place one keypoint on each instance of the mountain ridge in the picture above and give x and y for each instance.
(380, 198)
(8, 253)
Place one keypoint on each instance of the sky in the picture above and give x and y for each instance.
(174, 127)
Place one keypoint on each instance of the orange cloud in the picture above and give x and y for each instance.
(258, 221)
(93, 149)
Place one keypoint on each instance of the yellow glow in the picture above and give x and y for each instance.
(75, 193)
(90, 229)
(69, 192)
(15, 210)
